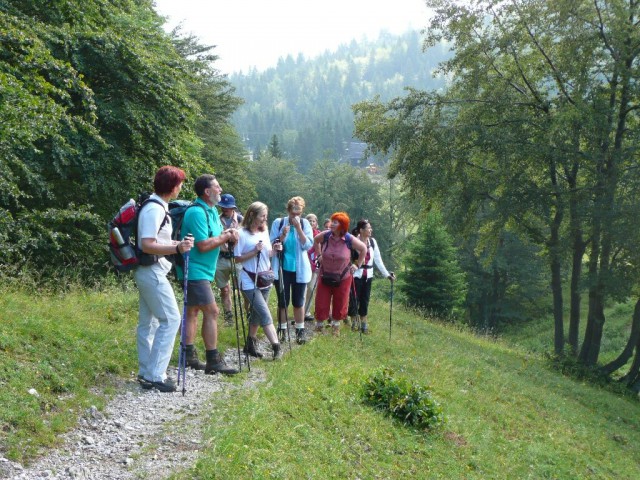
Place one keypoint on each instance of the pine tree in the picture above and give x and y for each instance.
(434, 280)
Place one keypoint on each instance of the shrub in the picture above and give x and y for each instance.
(406, 401)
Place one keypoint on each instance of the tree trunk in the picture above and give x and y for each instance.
(633, 377)
(578, 247)
(556, 285)
(555, 253)
(634, 337)
(594, 302)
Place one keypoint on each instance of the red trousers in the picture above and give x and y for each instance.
(333, 301)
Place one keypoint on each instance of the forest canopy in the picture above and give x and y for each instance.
(94, 97)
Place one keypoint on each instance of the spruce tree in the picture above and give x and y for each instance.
(433, 280)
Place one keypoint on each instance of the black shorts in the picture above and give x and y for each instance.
(199, 292)
(293, 292)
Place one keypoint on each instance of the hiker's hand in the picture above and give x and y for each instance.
(392, 277)
(295, 221)
(277, 246)
(259, 247)
(232, 235)
(285, 232)
(186, 244)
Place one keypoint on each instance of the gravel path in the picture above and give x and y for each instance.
(141, 433)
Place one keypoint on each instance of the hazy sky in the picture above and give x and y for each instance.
(257, 32)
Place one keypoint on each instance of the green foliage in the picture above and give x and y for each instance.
(409, 402)
(306, 103)
(94, 97)
(433, 280)
(507, 283)
(523, 139)
(334, 187)
(276, 182)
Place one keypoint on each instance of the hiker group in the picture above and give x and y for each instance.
(245, 259)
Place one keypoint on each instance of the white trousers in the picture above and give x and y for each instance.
(158, 322)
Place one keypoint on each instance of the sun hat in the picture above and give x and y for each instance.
(227, 201)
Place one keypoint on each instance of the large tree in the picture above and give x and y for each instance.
(536, 135)
(94, 97)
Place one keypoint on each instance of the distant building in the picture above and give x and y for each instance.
(353, 154)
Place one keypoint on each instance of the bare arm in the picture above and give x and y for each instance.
(152, 247)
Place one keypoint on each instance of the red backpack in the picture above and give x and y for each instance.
(125, 254)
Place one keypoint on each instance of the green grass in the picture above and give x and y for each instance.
(61, 346)
(537, 335)
(509, 415)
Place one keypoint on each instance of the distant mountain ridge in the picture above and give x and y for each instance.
(307, 103)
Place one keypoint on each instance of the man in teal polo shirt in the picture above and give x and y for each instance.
(203, 222)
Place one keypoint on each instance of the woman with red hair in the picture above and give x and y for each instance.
(333, 250)
(158, 313)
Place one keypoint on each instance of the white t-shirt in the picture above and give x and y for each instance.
(149, 220)
(247, 243)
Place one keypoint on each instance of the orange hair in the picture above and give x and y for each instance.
(343, 219)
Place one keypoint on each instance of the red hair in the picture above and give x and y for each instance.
(167, 178)
(343, 219)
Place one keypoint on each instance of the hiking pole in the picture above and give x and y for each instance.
(283, 297)
(234, 294)
(182, 358)
(355, 301)
(313, 290)
(390, 308)
(251, 303)
(244, 332)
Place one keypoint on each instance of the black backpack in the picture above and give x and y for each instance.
(177, 209)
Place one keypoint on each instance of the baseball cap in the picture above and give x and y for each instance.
(227, 201)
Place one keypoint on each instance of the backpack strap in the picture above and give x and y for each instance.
(209, 231)
(325, 241)
(347, 240)
(166, 214)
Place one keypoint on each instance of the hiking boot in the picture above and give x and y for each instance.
(144, 383)
(228, 318)
(309, 318)
(167, 386)
(301, 336)
(355, 325)
(251, 347)
(277, 352)
(364, 329)
(319, 327)
(335, 328)
(192, 361)
(216, 364)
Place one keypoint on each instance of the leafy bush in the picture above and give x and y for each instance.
(409, 402)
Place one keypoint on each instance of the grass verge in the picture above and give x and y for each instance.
(509, 415)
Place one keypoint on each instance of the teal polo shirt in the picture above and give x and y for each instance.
(202, 266)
